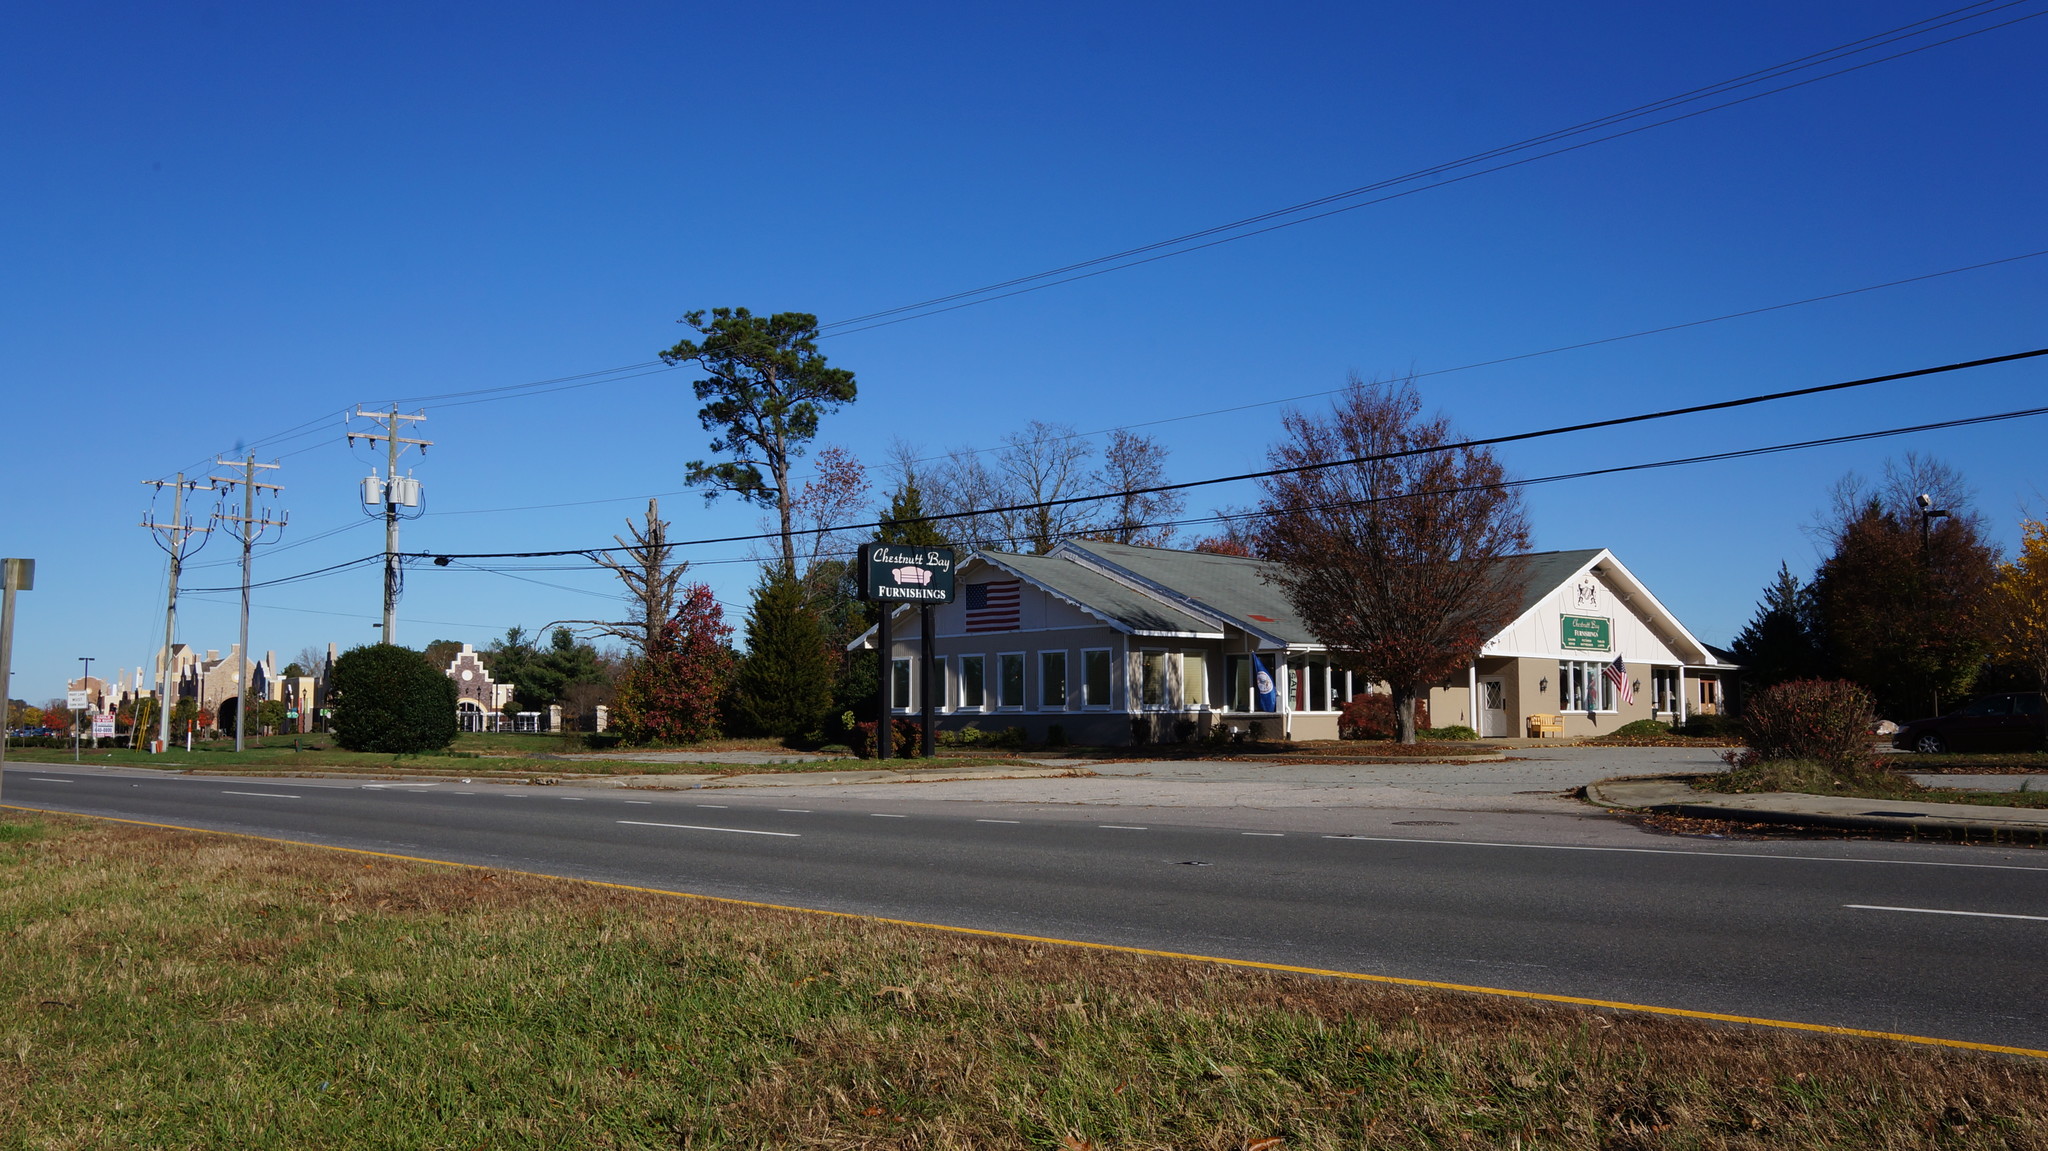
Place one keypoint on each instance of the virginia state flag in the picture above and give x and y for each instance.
(1267, 694)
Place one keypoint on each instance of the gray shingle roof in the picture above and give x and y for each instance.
(1233, 587)
(1104, 596)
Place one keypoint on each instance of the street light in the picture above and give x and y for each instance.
(1928, 514)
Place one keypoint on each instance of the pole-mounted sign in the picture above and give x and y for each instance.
(892, 573)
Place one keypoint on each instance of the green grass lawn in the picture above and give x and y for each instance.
(171, 989)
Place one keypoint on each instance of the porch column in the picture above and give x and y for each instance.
(1681, 693)
(1472, 713)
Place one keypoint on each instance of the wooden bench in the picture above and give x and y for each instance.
(1544, 726)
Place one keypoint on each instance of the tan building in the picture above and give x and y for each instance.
(479, 700)
(1112, 644)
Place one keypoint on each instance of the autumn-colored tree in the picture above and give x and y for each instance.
(2020, 602)
(57, 717)
(672, 696)
(1395, 545)
(765, 388)
(20, 713)
(1903, 603)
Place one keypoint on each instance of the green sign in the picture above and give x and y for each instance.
(902, 574)
(1586, 633)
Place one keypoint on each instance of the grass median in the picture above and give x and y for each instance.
(173, 989)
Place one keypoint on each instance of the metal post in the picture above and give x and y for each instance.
(927, 663)
(885, 720)
(20, 575)
(84, 685)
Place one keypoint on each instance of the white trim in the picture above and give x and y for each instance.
(1109, 689)
(1023, 680)
(1066, 680)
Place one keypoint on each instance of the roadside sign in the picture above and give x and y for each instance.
(102, 726)
(891, 573)
(77, 700)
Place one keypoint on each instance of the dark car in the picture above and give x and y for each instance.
(2013, 721)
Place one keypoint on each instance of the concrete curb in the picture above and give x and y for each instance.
(1673, 795)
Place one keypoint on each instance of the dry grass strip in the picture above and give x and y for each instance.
(174, 989)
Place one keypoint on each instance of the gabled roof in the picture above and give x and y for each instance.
(1225, 587)
(1122, 607)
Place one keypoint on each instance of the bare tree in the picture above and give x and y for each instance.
(961, 487)
(1131, 461)
(1396, 546)
(650, 581)
(1044, 463)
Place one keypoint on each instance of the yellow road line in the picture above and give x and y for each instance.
(1394, 980)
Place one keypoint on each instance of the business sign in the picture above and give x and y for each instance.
(1586, 633)
(77, 700)
(894, 573)
(102, 726)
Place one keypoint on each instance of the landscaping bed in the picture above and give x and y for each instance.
(167, 989)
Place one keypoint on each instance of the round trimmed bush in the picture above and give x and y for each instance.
(388, 698)
(1828, 721)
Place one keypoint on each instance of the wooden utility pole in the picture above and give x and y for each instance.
(248, 528)
(176, 538)
(395, 493)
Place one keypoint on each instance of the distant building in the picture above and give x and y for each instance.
(1114, 643)
(479, 700)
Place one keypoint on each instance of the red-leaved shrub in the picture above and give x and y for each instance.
(907, 734)
(1828, 721)
(1370, 715)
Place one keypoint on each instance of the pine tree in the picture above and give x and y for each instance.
(904, 525)
(784, 684)
(1779, 643)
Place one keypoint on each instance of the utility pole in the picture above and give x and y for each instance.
(20, 576)
(176, 539)
(84, 685)
(248, 528)
(393, 492)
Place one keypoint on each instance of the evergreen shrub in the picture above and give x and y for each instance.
(387, 698)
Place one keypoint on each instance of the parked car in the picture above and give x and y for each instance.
(2011, 721)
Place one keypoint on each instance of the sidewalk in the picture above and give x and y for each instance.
(1675, 797)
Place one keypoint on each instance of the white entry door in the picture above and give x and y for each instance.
(1493, 708)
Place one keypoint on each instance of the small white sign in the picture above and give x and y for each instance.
(77, 700)
(102, 727)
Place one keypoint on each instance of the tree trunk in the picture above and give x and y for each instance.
(1404, 711)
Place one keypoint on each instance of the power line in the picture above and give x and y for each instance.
(1443, 173)
(1490, 441)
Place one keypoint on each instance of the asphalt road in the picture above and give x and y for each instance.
(1926, 940)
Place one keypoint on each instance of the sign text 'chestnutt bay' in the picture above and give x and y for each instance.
(900, 574)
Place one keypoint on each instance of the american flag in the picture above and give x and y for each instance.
(994, 606)
(1618, 673)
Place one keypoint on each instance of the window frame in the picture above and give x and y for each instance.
(1108, 702)
(901, 675)
(1003, 666)
(1045, 658)
(1575, 678)
(979, 680)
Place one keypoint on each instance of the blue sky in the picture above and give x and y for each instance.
(225, 221)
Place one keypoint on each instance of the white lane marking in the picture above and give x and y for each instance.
(383, 786)
(1706, 854)
(694, 827)
(570, 798)
(641, 802)
(1120, 827)
(885, 815)
(47, 779)
(795, 810)
(1944, 911)
(715, 806)
(264, 794)
(999, 821)
(1274, 834)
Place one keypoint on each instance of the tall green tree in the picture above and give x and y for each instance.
(904, 523)
(784, 684)
(387, 699)
(543, 675)
(1904, 601)
(1779, 643)
(764, 389)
